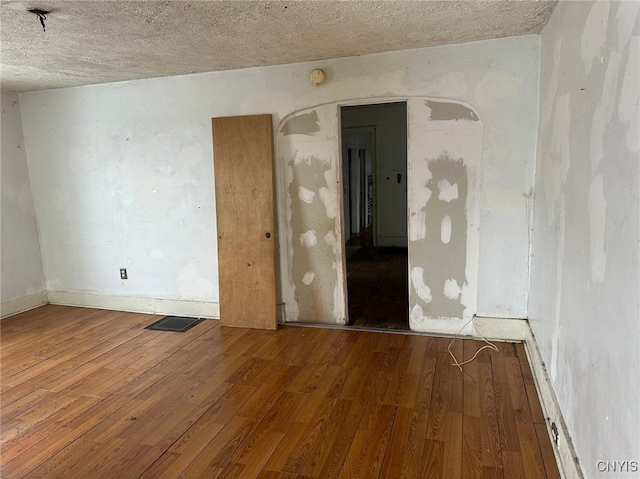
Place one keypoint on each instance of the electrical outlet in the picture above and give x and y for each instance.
(123, 273)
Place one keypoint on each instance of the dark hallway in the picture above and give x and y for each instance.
(377, 284)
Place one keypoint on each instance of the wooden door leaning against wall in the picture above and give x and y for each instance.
(243, 171)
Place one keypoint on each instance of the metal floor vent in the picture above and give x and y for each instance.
(178, 324)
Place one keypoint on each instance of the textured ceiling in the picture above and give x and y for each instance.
(90, 42)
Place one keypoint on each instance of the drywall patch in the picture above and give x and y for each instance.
(561, 132)
(630, 95)
(304, 124)
(449, 85)
(441, 255)
(594, 34)
(418, 219)
(452, 289)
(597, 225)
(448, 192)
(509, 200)
(306, 195)
(315, 297)
(308, 238)
(450, 111)
(329, 195)
(417, 279)
(497, 85)
(604, 110)
(308, 277)
(332, 241)
(445, 229)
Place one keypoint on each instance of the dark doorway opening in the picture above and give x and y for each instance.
(374, 173)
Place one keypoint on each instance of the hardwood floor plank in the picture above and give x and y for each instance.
(91, 393)
(218, 452)
(365, 456)
(548, 458)
(328, 452)
(403, 456)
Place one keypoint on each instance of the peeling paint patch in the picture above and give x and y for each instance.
(417, 279)
(450, 111)
(305, 124)
(308, 277)
(445, 229)
(597, 225)
(308, 238)
(306, 194)
(451, 289)
(448, 192)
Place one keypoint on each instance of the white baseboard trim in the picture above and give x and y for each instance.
(563, 448)
(23, 303)
(500, 329)
(136, 304)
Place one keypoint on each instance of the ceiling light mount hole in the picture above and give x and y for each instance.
(41, 14)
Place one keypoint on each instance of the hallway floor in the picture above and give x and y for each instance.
(377, 286)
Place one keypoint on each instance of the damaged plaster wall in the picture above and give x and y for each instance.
(22, 278)
(310, 226)
(585, 282)
(445, 172)
(444, 192)
(122, 174)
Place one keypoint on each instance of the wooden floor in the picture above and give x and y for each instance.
(91, 394)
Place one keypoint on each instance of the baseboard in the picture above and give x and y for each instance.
(23, 303)
(500, 329)
(562, 447)
(136, 304)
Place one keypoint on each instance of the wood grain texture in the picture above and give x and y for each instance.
(107, 398)
(243, 162)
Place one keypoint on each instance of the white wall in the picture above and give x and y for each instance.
(122, 173)
(22, 280)
(584, 298)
